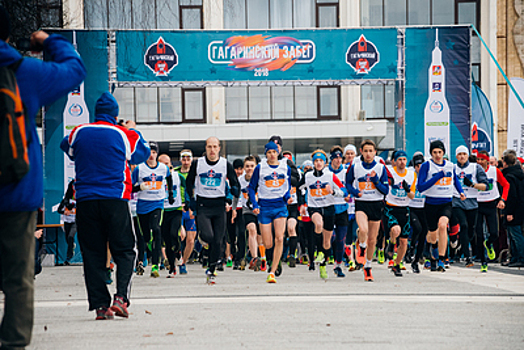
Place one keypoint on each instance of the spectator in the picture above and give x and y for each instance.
(40, 83)
(514, 209)
(102, 152)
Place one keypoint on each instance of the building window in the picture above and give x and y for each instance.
(395, 13)
(280, 14)
(263, 103)
(418, 12)
(191, 14)
(161, 105)
(378, 101)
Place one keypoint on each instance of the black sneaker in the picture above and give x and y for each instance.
(236, 265)
(390, 251)
(414, 267)
(220, 267)
(396, 270)
(278, 272)
(433, 265)
(311, 266)
(292, 261)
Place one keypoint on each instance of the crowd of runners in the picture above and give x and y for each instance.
(345, 208)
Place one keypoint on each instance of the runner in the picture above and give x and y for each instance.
(436, 180)
(150, 179)
(292, 220)
(350, 152)
(396, 217)
(472, 180)
(188, 231)
(367, 181)
(206, 186)
(417, 216)
(321, 185)
(490, 202)
(271, 178)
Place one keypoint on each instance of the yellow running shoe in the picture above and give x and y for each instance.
(323, 272)
(271, 278)
(320, 258)
(351, 266)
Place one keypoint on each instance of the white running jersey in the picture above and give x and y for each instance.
(341, 175)
(176, 192)
(317, 194)
(273, 182)
(211, 180)
(397, 196)
(470, 172)
(293, 194)
(69, 216)
(242, 199)
(443, 188)
(155, 179)
(493, 190)
(363, 182)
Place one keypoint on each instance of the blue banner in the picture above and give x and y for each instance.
(438, 87)
(286, 55)
(481, 121)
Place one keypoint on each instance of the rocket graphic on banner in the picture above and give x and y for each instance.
(436, 113)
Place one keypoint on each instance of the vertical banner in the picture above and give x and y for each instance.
(516, 118)
(438, 87)
(481, 121)
(75, 113)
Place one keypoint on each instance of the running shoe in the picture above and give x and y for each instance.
(414, 267)
(220, 266)
(166, 264)
(311, 266)
(368, 277)
(182, 269)
(229, 263)
(253, 264)
(361, 254)
(469, 262)
(441, 267)
(271, 278)
(359, 266)
(104, 313)
(331, 261)
(140, 269)
(210, 277)
(433, 265)
(242, 266)
(484, 268)
(109, 280)
(396, 270)
(292, 261)
(323, 272)
(402, 267)
(154, 271)
(490, 251)
(338, 272)
(119, 307)
(352, 266)
(320, 258)
(446, 263)
(304, 260)
(162, 267)
(391, 263)
(171, 274)
(262, 265)
(427, 264)
(381, 257)
(434, 253)
(278, 272)
(236, 265)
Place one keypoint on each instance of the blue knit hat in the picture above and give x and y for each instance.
(107, 105)
(271, 145)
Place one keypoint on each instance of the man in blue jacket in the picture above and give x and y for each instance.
(102, 152)
(40, 83)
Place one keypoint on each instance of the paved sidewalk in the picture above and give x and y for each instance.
(458, 309)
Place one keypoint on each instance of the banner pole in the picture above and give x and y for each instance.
(499, 67)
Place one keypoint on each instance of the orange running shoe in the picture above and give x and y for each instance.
(263, 265)
(361, 254)
(391, 263)
(368, 277)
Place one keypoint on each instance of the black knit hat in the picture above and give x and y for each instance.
(5, 24)
(437, 144)
(238, 163)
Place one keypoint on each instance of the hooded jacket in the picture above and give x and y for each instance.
(515, 176)
(40, 83)
(102, 152)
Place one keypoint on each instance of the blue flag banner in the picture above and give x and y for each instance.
(481, 121)
(285, 55)
(437, 88)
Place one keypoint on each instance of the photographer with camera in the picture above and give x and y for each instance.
(39, 83)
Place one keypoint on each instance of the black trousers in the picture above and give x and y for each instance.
(17, 265)
(488, 213)
(70, 232)
(467, 219)
(150, 225)
(211, 227)
(171, 223)
(419, 226)
(100, 222)
(236, 234)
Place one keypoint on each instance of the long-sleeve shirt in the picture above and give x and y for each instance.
(267, 203)
(382, 183)
(471, 203)
(424, 184)
(302, 191)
